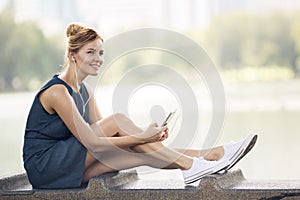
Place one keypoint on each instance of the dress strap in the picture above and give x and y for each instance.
(55, 80)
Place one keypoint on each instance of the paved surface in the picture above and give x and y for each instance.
(127, 185)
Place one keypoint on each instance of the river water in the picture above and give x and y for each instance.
(270, 109)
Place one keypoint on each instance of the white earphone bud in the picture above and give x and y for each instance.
(73, 58)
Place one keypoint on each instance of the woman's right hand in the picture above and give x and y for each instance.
(152, 134)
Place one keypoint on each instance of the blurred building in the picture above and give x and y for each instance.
(120, 15)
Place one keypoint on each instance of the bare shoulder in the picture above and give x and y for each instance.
(55, 91)
(54, 95)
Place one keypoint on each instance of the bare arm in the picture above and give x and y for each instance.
(60, 101)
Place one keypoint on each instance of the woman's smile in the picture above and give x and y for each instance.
(95, 66)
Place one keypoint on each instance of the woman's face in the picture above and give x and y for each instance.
(90, 57)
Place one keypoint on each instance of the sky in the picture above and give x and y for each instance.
(112, 16)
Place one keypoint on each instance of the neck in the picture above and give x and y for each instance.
(69, 76)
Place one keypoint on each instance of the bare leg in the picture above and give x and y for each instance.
(129, 127)
(120, 125)
(215, 153)
(96, 168)
(115, 161)
(151, 154)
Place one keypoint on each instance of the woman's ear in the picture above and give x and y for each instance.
(71, 56)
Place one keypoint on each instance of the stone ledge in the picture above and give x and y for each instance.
(127, 185)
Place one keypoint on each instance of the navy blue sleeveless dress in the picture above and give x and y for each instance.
(53, 158)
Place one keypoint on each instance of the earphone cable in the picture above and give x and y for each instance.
(84, 104)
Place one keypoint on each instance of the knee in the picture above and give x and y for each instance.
(120, 118)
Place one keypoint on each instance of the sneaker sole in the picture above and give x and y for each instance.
(242, 153)
(199, 175)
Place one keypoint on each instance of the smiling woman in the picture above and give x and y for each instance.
(67, 141)
(49, 143)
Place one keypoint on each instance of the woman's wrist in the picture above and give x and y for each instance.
(138, 140)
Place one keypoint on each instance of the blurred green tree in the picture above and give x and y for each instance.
(27, 57)
(295, 34)
(238, 40)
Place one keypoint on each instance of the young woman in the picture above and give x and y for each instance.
(67, 141)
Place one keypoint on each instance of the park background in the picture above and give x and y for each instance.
(255, 44)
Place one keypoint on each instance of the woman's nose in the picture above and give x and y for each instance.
(99, 58)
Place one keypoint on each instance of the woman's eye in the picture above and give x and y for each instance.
(91, 52)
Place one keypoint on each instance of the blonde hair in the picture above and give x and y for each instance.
(78, 36)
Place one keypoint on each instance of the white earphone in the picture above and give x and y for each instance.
(84, 103)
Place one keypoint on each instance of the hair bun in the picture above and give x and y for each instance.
(72, 29)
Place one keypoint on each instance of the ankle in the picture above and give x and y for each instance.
(220, 153)
(185, 163)
(215, 154)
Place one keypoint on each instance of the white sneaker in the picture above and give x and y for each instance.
(235, 151)
(201, 168)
